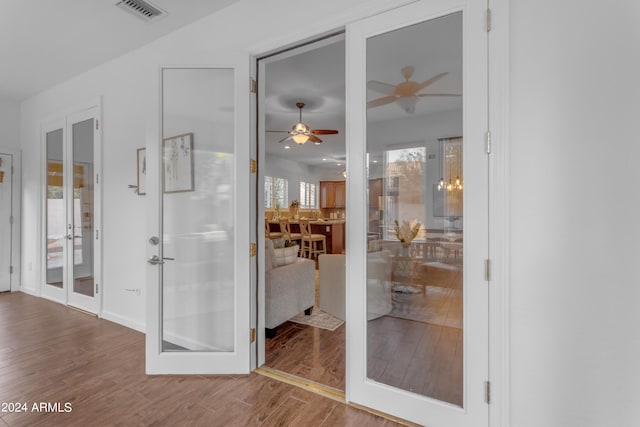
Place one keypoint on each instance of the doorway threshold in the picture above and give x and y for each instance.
(326, 391)
(309, 385)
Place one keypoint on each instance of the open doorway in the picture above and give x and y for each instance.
(303, 206)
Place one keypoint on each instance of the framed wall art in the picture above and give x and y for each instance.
(177, 163)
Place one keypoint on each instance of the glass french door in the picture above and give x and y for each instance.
(71, 219)
(198, 234)
(417, 213)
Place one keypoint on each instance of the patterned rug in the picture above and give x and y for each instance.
(318, 319)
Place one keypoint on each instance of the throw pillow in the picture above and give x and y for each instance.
(284, 256)
(278, 243)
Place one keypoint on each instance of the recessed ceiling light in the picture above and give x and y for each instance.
(339, 164)
(286, 147)
(375, 161)
(324, 159)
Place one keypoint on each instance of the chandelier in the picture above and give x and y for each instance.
(451, 164)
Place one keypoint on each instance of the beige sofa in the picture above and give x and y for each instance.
(289, 288)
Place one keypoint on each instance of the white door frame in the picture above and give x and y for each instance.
(63, 121)
(16, 174)
(499, 321)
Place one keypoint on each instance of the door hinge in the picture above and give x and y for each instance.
(487, 392)
(11, 170)
(253, 167)
(11, 219)
(97, 124)
(488, 20)
(97, 234)
(488, 142)
(487, 270)
(253, 249)
(97, 178)
(97, 288)
(254, 86)
(252, 335)
(11, 269)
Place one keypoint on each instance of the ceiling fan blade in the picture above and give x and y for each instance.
(315, 139)
(324, 132)
(438, 94)
(381, 101)
(431, 80)
(284, 139)
(383, 88)
(277, 131)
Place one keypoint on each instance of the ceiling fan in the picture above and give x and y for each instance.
(301, 133)
(405, 94)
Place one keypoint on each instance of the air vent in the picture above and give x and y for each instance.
(142, 9)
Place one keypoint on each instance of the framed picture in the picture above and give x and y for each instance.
(177, 162)
(141, 156)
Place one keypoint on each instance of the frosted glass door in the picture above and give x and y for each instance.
(200, 319)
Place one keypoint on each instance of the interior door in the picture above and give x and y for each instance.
(198, 186)
(417, 295)
(5, 221)
(83, 233)
(72, 208)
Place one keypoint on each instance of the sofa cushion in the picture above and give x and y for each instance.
(284, 256)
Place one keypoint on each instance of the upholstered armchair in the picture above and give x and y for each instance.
(289, 286)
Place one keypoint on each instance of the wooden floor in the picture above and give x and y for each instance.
(418, 347)
(49, 353)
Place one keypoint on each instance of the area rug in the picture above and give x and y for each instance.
(439, 306)
(318, 319)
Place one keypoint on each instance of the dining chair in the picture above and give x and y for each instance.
(310, 241)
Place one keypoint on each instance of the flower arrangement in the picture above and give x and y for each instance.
(407, 231)
(294, 204)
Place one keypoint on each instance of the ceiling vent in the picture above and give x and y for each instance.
(142, 9)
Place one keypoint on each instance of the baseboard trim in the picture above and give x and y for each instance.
(124, 321)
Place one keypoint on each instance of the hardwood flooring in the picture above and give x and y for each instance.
(418, 347)
(49, 353)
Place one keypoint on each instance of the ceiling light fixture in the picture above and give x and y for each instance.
(301, 133)
(452, 162)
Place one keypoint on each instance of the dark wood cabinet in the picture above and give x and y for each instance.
(332, 194)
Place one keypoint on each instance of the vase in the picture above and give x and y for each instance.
(406, 249)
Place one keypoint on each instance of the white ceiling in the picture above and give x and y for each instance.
(317, 77)
(45, 42)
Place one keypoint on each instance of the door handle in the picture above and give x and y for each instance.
(155, 260)
(69, 237)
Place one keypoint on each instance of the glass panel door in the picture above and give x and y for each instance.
(422, 307)
(199, 308)
(55, 223)
(81, 208)
(72, 266)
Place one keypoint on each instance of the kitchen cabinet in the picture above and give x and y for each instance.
(332, 194)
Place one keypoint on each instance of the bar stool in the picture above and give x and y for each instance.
(285, 229)
(309, 241)
(270, 234)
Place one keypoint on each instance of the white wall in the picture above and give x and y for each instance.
(9, 125)
(574, 206)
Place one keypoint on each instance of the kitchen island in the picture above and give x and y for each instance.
(333, 229)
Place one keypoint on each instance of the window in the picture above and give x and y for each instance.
(276, 192)
(308, 198)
